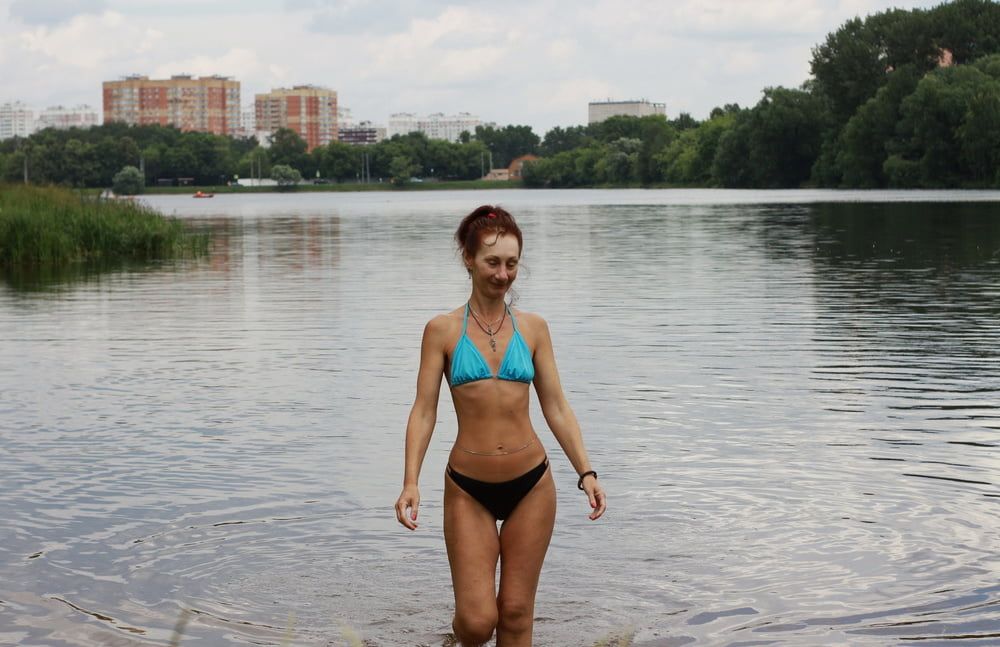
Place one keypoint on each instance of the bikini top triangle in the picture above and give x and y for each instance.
(469, 365)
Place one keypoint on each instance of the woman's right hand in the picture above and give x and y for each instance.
(406, 506)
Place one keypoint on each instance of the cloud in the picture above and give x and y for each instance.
(232, 63)
(454, 46)
(536, 63)
(53, 12)
(563, 50)
(370, 17)
(88, 41)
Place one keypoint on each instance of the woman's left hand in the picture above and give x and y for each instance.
(598, 500)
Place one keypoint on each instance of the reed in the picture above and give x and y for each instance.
(50, 226)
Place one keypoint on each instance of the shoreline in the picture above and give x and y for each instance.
(353, 187)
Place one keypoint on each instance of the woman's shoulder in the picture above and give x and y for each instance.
(530, 320)
(444, 323)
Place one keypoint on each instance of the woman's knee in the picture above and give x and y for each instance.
(516, 614)
(475, 627)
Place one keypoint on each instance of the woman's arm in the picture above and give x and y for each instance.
(423, 415)
(560, 417)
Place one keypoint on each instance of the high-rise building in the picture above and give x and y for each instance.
(248, 119)
(598, 111)
(208, 104)
(309, 110)
(16, 120)
(81, 116)
(351, 131)
(435, 126)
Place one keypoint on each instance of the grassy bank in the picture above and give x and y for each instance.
(48, 226)
(455, 185)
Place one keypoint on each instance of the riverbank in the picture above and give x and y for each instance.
(51, 226)
(449, 185)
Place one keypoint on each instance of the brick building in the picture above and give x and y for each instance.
(308, 110)
(208, 104)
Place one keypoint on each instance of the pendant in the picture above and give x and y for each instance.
(493, 344)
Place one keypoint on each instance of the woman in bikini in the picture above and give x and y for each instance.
(497, 469)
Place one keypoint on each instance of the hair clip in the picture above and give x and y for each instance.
(491, 215)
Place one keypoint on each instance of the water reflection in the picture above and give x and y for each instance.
(794, 407)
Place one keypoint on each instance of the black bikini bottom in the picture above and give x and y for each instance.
(500, 498)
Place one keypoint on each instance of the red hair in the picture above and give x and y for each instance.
(485, 219)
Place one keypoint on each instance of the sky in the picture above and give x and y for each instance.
(527, 63)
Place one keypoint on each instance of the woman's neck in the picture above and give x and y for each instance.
(490, 308)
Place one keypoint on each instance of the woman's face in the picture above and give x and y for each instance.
(494, 267)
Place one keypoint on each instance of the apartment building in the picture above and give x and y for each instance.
(598, 111)
(81, 116)
(309, 110)
(16, 120)
(435, 126)
(362, 132)
(352, 131)
(208, 104)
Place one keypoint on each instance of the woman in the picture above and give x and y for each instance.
(497, 469)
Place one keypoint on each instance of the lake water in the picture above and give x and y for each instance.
(793, 399)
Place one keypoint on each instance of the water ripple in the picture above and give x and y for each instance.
(794, 408)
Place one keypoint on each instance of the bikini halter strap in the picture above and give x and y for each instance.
(513, 320)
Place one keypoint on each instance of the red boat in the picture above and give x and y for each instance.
(201, 194)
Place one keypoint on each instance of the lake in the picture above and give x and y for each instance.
(792, 397)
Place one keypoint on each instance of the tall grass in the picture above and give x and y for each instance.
(49, 226)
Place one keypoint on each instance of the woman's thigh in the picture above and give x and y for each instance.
(470, 533)
(524, 540)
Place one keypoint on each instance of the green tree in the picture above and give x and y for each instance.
(930, 120)
(507, 143)
(857, 59)
(684, 121)
(979, 135)
(773, 145)
(864, 143)
(285, 176)
(401, 169)
(688, 159)
(81, 168)
(128, 181)
(339, 161)
(618, 164)
(731, 165)
(559, 140)
(288, 148)
(969, 29)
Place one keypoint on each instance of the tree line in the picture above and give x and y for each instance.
(901, 98)
(91, 157)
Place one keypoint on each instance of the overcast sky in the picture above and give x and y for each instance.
(537, 63)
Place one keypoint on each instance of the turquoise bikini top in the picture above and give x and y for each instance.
(469, 365)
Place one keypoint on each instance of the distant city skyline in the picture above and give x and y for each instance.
(537, 64)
